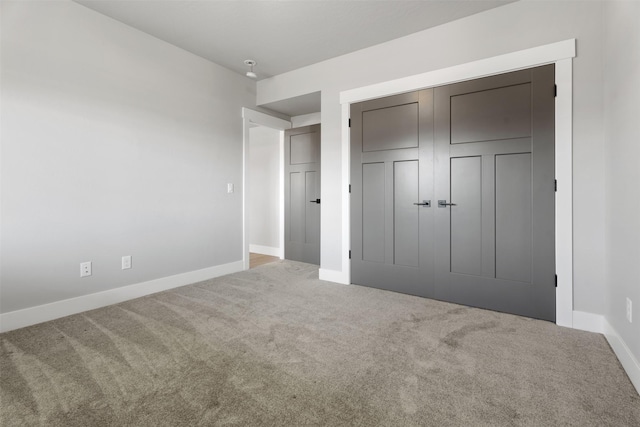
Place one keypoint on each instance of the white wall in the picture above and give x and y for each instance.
(306, 120)
(264, 190)
(622, 141)
(509, 28)
(113, 143)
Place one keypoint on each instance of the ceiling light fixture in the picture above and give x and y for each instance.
(250, 63)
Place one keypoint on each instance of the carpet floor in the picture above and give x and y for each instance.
(275, 346)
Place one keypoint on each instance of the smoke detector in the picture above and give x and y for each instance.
(250, 63)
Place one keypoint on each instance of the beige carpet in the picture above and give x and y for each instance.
(276, 346)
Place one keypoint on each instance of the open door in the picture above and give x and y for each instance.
(302, 194)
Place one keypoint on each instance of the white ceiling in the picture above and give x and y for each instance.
(282, 35)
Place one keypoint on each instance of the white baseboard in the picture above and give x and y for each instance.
(42, 313)
(588, 322)
(265, 250)
(626, 358)
(335, 276)
(599, 324)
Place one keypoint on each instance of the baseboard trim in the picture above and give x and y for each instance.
(626, 358)
(598, 323)
(264, 250)
(335, 276)
(43, 313)
(588, 322)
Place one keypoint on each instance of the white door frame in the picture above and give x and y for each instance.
(250, 117)
(560, 54)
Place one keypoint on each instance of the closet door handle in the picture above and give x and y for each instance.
(315, 201)
(425, 203)
(444, 204)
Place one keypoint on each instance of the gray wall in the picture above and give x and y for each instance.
(113, 143)
(264, 187)
(622, 140)
(505, 29)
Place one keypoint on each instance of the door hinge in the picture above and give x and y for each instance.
(349, 188)
(555, 91)
(349, 122)
(556, 185)
(556, 280)
(349, 253)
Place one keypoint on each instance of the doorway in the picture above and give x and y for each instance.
(251, 120)
(264, 188)
(453, 193)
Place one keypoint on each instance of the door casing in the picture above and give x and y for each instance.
(560, 54)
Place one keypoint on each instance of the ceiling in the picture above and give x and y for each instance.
(283, 35)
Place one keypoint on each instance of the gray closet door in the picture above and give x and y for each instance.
(495, 238)
(391, 171)
(302, 194)
(485, 149)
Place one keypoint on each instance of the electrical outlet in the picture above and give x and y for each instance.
(126, 262)
(229, 188)
(629, 311)
(85, 269)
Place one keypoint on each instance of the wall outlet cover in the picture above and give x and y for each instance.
(85, 269)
